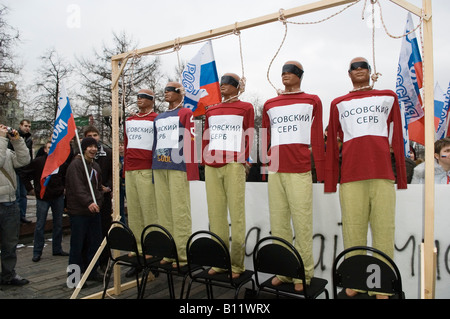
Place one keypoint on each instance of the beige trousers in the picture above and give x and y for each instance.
(369, 202)
(173, 204)
(225, 192)
(141, 202)
(290, 198)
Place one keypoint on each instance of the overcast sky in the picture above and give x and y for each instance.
(77, 27)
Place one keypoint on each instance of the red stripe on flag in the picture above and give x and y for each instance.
(213, 97)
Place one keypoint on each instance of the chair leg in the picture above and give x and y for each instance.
(141, 290)
(138, 286)
(107, 278)
(209, 291)
(170, 284)
(182, 286)
(189, 289)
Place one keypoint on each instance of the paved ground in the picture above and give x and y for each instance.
(48, 276)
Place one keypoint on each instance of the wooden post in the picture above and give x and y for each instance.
(115, 74)
(251, 23)
(301, 10)
(429, 249)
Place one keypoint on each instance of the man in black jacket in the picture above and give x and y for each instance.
(53, 198)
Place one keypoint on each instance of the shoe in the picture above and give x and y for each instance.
(132, 272)
(36, 258)
(61, 253)
(16, 281)
(24, 220)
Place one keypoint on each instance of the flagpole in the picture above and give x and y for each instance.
(85, 168)
(103, 244)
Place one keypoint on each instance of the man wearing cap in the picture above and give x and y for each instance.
(174, 165)
(227, 141)
(83, 209)
(104, 160)
(293, 124)
(139, 187)
(364, 119)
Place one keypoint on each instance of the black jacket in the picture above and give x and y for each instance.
(33, 172)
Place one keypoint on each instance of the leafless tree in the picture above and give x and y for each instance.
(52, 73)
(9, 37)
(95, 74)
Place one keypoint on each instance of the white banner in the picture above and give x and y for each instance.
(328, 235)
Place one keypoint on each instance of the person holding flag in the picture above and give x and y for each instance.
(227, 141)
(83, 208)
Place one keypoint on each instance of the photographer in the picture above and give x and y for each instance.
(9, 211)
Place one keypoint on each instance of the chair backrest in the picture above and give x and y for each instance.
(120, 237)
(274, 255)
(366, 272)
(158, 242)
(205, 248)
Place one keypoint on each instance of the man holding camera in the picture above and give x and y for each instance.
(9, 211)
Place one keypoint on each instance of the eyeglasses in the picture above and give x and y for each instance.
(172, 89)
(145, 96)
(356, 65)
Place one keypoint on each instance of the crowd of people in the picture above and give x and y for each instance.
(362, 151)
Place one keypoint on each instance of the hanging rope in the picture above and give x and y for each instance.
(243, 80)
(375, 74)
(283, 19)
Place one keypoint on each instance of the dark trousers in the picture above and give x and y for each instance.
(9, 230)
(85, 231)
(42, 207)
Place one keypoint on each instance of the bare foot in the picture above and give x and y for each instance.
(350, 292)
(235, 275)
(298, 287)
(212, 272)
(276, 281)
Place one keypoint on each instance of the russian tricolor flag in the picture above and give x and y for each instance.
(440, 111)
(63, 132)
(201, 82)
(409, 83)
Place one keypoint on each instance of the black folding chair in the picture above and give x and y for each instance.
(275, 256)
(121, 238)
(206, 249)
(366, 273)
(159, 243)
